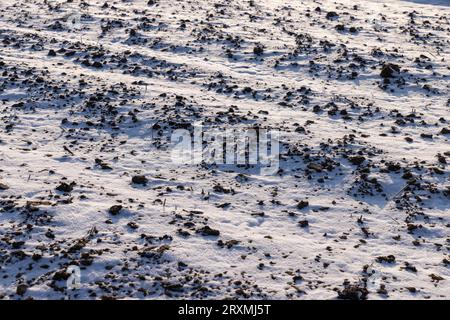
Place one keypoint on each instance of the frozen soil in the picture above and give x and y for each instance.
(91, 90)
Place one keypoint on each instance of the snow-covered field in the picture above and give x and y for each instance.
(91, 90)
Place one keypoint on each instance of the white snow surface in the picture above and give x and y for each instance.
(165, 62)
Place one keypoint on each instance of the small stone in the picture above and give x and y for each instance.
(139, 180)
(64, 187)
(332, 15)
(303, 223)
(388, 259)
(357, 160)
(389, 70)
(407, 175)
(60, 275)
(436, 278)
(258, 50)
(133, 225)
(302, 204)
(3, 186)
(411, 289)
(36, 257)
(115, 210)
(21, 289)
(340, 27)
(49, 234)
(207, 231)
(97, 65)
(353, 292)
(315, 166)
(441, 159)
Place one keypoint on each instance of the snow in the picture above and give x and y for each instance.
(63, 126)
